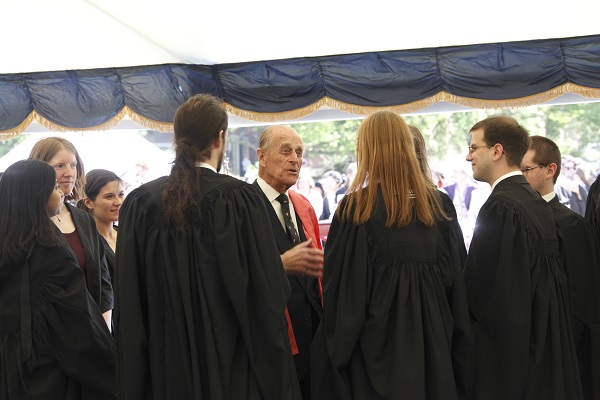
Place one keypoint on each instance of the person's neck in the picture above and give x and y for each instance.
(500, 172)
(105, 228)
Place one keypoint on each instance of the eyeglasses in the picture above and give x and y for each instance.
(473, 148)
(525, 170)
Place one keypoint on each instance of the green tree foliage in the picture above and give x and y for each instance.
(7, 145)
(332, 144)
(329, 145)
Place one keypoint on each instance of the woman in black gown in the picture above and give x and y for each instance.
(104, 195)
(395, 310)
(54, 343)
(78, 228)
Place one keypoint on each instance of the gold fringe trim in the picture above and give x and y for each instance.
(298, 113)
(125, 112)
(408, 108)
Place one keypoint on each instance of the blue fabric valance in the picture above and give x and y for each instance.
(498, 75)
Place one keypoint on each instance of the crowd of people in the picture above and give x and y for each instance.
(215, 288)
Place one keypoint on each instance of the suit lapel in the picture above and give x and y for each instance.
(281, 239)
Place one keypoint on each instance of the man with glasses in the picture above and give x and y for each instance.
(518, 294)
(541, 167)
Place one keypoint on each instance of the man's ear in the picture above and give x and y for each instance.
(261, 156)
(551, 171)
(498, 151)
(219, 139)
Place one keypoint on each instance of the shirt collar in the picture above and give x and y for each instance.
(549, 196)
(503, 177)
(201, 164)
(268, 190)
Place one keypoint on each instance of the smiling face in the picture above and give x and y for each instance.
(280, 163)
(480, 157)
(108, 202)
(65, 165)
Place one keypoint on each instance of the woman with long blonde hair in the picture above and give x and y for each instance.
(395, 311)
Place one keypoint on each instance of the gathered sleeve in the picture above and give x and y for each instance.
(347, 279)
(255, 282)
(67, 324)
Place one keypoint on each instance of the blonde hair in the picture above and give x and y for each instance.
(387, 162)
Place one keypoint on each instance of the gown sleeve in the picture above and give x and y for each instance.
(132, 358)
(582, 267)
(346, 282)
(499, 290)
(257, 287)
(67, 321)
(459, 306)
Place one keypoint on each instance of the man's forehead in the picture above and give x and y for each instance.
(291, 141)
(530, 155)
(477, 134)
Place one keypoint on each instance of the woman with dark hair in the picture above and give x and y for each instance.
(104, 195)
(395, 309)
(78, 228)
(54, 343)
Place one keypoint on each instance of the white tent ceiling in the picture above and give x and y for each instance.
(42, 35)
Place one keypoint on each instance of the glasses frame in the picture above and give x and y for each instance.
(473, 148)
(525, 170)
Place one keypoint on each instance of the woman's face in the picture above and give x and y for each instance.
(108, 202)
(56, 200)
(65, 165)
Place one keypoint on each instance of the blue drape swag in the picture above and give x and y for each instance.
(499, 75)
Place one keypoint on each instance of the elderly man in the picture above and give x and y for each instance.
(296, 232)
(541, 167)
(518, 293)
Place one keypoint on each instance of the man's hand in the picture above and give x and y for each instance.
(303, 259)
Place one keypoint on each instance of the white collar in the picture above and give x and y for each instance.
(202, 164)
(268, 190)
(503, 177)
(549, 196)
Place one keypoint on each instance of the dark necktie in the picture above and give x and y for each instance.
(287, 219)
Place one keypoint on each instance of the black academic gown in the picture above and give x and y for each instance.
(97, 275)
(54, 343)
(110, 258)
(523, 345)
(201, 315)
(583, 273)
(395, 313)
(592, 207)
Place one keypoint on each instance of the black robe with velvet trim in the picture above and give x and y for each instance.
(523, 346)
(396, 321)
(200, 315)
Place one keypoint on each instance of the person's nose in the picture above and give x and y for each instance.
(70, 171)
(119, 201)
(469, 157)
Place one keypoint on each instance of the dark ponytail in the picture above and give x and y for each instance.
(197, 124)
